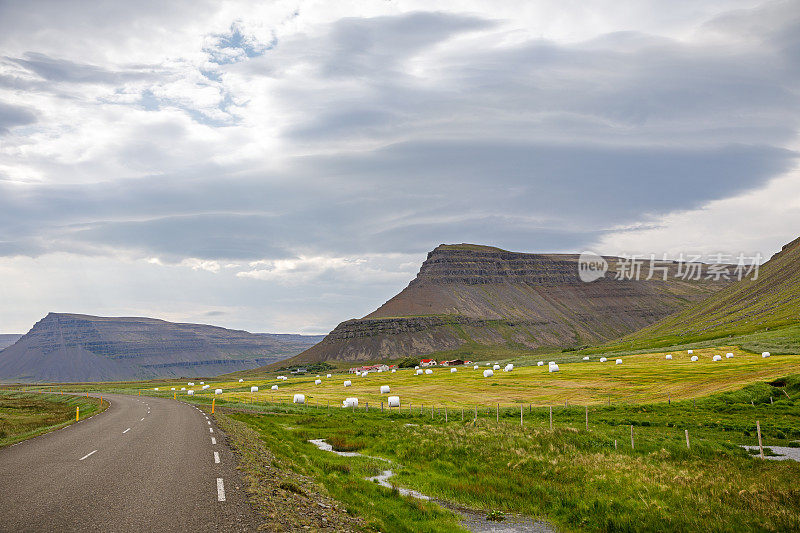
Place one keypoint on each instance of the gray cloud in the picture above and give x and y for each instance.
(12, 115)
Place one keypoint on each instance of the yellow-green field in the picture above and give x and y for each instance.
(639, 379)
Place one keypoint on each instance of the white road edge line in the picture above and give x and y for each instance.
(87, 455)
(142, 419)
(211, 430)
(220, 490)
(213, 441)
(127, 430)
(216, 457)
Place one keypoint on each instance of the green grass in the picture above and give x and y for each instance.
(26, 415)
(573, 477)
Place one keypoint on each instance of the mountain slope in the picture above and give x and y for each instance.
(770, 300)
(69, 347)
(479, 295)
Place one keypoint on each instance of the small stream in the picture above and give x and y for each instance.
(473, 520)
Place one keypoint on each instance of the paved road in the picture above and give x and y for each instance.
(145, 464)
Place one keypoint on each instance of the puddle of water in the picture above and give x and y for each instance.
(383, 481)
(324, 446)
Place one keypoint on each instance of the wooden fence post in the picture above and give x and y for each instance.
(587, 418)
(498, 413)
(632, 437)
(687, 439)
(520, 417)
(551, 417)
(760, 446)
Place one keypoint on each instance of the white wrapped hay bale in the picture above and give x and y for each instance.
(618, 361)
(173, 388)
(603, 359)
(206, 387)
(694, 358)
(428, 371)
(552, 367)
(394, 370)
(476, 367)
(274, 387)
(156, 388)
(416, 367)
(255, 389)
(729, 355)
(453, 370)
(347, 383)
(183, 388)
(496, 367)
(317, 382)
(218, 391)
(418, 371)
(690, 352)
(350, 402)
(764, 354)
(190, 384)
(586, 358)
(299, 398)
(328, 376)
(668, 357)
(394, 401)
(488, 373)
(509, 367)
(358, 373)
(241, 380)
(717, 358)
(202, 383)
(384, 389)
(190, 392)
(540, 363)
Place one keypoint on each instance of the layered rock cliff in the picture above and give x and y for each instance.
(69, 347)
(471, 294)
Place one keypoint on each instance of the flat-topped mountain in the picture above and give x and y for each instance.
(69, 347)
(469, 294)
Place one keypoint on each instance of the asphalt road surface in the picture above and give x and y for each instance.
(145, 464)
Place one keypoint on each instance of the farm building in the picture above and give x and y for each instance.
(453, 362)
(427, 362)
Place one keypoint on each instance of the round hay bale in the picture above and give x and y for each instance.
(496, 367)
(218, 391)
(603, 359)
(317, 382)
(190, 384)
(274, 387)
(156, 388)
(328, 376)
(488, 373)
(540, 363)
(476, 367)
(183, 388)
(552, 368)
(255, 389)
(509, 367)
(453, 370)
(586, 358)
(717, 358)
(417, 372)
(729, 355)
(668, 357)
(690, 352)
(384, 389)
(299, 398)
(416, 367)
(695, 358)
(394, 401)
(765, 354)
(190, 392)
(202, 383)
(173, 388)
(241, 380)
(347, 383)
(350, 402)
(618, 361)
(394, 370)
(428, 371)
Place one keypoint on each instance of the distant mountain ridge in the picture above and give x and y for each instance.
(472, 294)
(70, 347)
(7, 339)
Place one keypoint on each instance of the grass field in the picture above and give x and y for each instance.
(26, 415)
(644, 378)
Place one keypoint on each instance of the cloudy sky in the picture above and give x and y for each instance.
(282, 167)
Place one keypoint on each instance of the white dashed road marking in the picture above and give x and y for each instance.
(209, 423)
(211, 430)
(213, 440)
(127, 430)
(87, 455)
(220, 490)
(142, 419)
(216, 457)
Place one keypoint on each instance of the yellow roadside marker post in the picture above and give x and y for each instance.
(174, 395)
(213, 400)
(77, 413)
